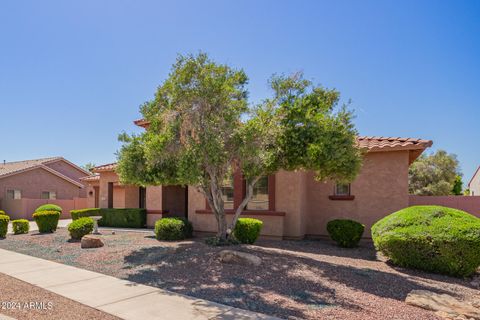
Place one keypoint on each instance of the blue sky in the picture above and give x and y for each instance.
(73, 73)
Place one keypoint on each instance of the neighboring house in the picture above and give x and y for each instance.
(291, 204)
(474, 184)
(27, 184)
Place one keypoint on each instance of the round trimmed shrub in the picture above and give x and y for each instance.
(20, 226)
(49, 207)
(247, 230)
(80, 228)
(346, 233)
(2, 213)
(4, 219)
(171, 229)
(47, 221)
(431, 238)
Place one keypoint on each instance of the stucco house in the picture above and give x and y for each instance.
(474, 184)
(24, 185)
(291, 204)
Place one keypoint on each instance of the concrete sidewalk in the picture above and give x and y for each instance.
(124, 299)
(62, 223)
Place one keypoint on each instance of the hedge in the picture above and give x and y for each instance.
(49, 207)
(173, 229)
(119, 218)
(20, 226)
(47, 221)
(431, 238)
(80, 227)
(247, 230)
(346, 233)
(4, 219)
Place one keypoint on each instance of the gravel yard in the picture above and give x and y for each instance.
(16, 296)
(297, 279)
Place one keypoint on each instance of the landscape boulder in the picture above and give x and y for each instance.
(238, 257)
(444, 305)
(91, 241)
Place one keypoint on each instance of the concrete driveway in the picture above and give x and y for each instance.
(62, 223)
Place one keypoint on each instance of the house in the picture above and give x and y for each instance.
(25, 185)
(291, 204)
(474, 184)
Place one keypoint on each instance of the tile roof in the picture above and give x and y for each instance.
(17, 166)
(105, 167)
(142, 123)
(392, 143)
(91, 178)
(12, 168)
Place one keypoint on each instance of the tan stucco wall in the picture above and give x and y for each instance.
(70, 171)
(380, 189)
(123, 196)
(474, 185)
(33, 182)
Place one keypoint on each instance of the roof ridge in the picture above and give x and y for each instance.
(32, 160)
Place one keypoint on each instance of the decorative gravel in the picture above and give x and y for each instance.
(21, 300)
(297, 279)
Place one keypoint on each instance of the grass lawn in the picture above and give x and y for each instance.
(297, 279)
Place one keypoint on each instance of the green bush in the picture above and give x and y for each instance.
(20, 226)
(346, 233)
(80, 227)
(247, 230)
(4, 219)
(49, 207)
(431, 238)
(47, 221)
(2, 213)
(172, 229)
(118, 218)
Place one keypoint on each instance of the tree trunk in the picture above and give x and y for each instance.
(217, 205)
(243, 204)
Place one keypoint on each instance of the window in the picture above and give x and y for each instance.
(52, 195)
(259, 200)
(14, 194)
(342, 189)
(227, 191)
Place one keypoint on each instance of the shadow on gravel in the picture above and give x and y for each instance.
(284, 285)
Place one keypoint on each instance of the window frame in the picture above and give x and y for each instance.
(341, 196)
(15, 192)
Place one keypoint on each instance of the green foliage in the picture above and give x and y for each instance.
(201, 125)
(47, 221)
(2, 213)
(49, 207)
(247, 230)
(347, 233)
(458, 186)
(80, 227)
(4, 219)
(119, 218)
(88, 166)
(20, 226)
(172, 229)
(431, 238)
(434, 175)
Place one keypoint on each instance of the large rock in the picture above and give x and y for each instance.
(237, 257)
(91, 241)
(444, 305)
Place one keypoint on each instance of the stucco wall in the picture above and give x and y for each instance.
(70, 171)
(33, 182)
(380, 189)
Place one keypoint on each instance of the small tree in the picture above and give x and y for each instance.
(457, 186)
(201, 129)
(437, 174)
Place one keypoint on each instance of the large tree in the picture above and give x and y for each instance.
(437, 174)
(202, 128)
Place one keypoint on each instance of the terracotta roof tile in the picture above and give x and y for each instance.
(105, 167)
(12, 167)
(91, 178)
(372, 143)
